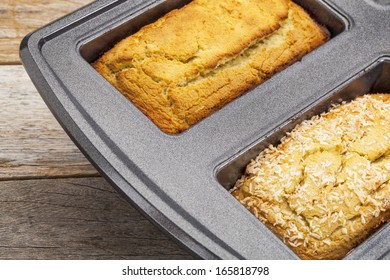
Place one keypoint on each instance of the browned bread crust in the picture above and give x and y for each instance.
(326, 187)
(194, 60)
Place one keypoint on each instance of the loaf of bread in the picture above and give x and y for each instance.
(196, 59)
(326, 187)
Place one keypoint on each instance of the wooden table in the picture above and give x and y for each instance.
(53, 203)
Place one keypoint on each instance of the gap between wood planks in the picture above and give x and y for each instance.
(32, 143)
(79, 216)
(82, 218)
(73, 218)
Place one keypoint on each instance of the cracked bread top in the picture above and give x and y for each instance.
(326, 187)
(194, 60)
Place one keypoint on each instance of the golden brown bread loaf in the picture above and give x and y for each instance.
(194, 60)
(326, 187)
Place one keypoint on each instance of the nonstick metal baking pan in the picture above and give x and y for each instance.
(181, 181)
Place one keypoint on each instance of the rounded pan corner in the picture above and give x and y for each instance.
(32, 44)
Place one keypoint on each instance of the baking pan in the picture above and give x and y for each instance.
(181, 181)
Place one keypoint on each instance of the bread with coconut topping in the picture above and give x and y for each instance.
(196, 59)
(326, 187)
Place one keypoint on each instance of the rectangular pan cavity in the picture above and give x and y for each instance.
(192, 82)
(93, 49)
(374, 80)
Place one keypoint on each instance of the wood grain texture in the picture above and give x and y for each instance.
(82, 218)
(20, 17)
(32, 143)
(53, 218)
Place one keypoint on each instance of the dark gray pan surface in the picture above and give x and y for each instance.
(180, 181)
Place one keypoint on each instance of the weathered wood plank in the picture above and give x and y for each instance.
(19, 17)
(32, 143)
(82, 218)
